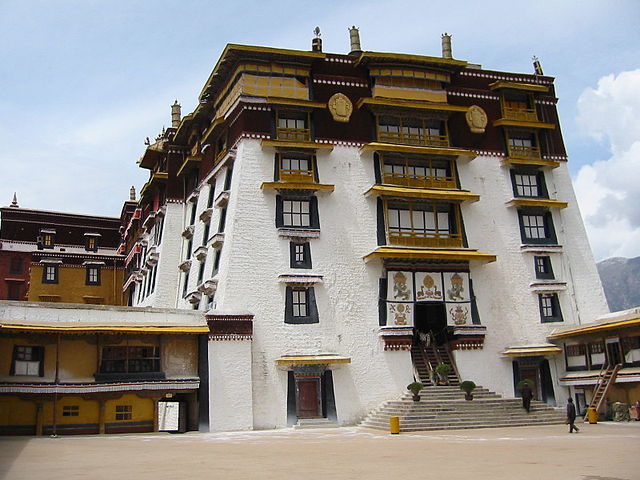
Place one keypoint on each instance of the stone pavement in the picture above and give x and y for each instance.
(604, 451)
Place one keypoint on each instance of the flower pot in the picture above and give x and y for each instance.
(468, 396)
(416, 397)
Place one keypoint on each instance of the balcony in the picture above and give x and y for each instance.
(419, 181)
(520, 113)
(524, 152)
(293, 134)
(296, 176)
(413, 138)
(424, 239)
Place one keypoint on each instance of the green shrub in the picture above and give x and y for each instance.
(415, 387)
(467, 386)
(443, 369)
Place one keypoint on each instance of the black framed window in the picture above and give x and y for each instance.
(216, 261)
(27, 360)
(223, 220)
(205, 233)
(124, 412)
(47, 239)
(536, 227)
(300, 255)
(50, 274)
(528, 183)
(93, 275)
(125, 359)
(212, 192)
(296, 167)
(201, 272)
(194, 207)
(300, 305)
(297, 212)
(549, 307)
(185, 285)
(71, 411)
(227, 179)
(543, 267)
(91, 243)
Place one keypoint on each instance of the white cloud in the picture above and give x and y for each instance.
(608, 190)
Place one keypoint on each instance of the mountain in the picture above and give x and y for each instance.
(621, 281)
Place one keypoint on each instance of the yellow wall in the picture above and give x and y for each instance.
(141, 408)
(14, 411)
(71, 287)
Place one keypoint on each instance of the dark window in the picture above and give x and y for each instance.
(70, 411)
(201, 272)
(154, 271)
(16, 266)
(549, 308)
(228, 178)
(189, 249)
(124, 359)
(185, 285)
(205, 233)
(300, 255)
(536, 227)
(297, 212)
(47, 240)
(216, 261)
(93, 275)
(91, 243)
(543, 267)
(300, 305)
(27, 361)
(293, 126)
(212, 192)
(223, 220)
(50, 274)
(157, 233)
(528, 183)
(123, 412)
(295, 167)
(194, 206)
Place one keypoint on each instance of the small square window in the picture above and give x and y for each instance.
(543, 267)
(549, 308)
(48, 240)
(50, 274)
(70, 411)
(93, 275)
(300, 305)
(536, 227)
(297, 212)
(27, 360)
(16, 266)
(124, 412)
(91, 243)
(300, 254)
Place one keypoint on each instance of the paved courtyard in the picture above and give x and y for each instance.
(605, 451)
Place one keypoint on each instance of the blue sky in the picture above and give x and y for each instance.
(85, 81)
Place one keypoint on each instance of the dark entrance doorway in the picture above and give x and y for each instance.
(614, 353)
(431, 317)
(308, 398)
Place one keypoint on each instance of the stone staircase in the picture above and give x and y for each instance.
(427, 358)
(444, 408)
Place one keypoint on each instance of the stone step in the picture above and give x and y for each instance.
(315, 423)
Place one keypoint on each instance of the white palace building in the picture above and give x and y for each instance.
(336, 216)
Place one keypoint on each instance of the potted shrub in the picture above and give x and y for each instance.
(467, 387)
(415, 388)
(443, 370)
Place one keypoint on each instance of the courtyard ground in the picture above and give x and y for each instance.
(603, 451)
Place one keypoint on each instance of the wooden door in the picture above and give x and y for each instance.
(308, 398)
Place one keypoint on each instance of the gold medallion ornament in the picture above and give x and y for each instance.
(476, 119)
(340, 107)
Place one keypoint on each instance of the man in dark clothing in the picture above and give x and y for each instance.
(571, 415)
(527, 395)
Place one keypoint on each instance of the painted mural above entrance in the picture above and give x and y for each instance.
(406, 288)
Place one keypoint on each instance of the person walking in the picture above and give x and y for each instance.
(571, 415)
(527, 395)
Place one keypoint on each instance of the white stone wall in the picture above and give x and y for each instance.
(347, 300)
(230, 392)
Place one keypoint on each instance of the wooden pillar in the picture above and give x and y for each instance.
(155, 413)
(102, 407)
(39, 418)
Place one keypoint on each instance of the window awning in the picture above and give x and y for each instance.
(429, 254)
(102, 329)
(531, 351)
(321, 359)
(606, 325)
(429, 193)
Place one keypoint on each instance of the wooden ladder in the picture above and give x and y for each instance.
(605, 381)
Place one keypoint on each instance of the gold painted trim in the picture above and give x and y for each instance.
(530, 87)
(531, 352)
(505, 122)
(312, 360)
(391, 147)
(287, 144)
(410, 104)
(634, 322)
(366, 57)
(425, 254)
(385, 190)
(297, 186)
(537, 202)
(187, 161)
(210, 129)
(537, 162)
(295, 102)
(33, 328)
